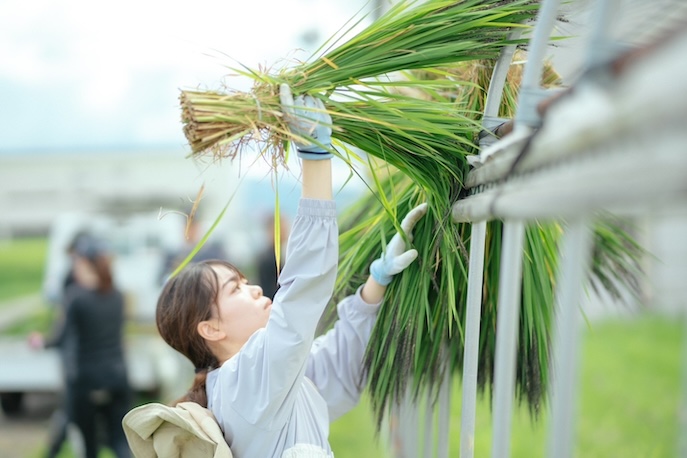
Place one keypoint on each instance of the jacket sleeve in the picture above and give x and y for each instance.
(262, 380)
(56, 336)
(336, 361)
(59, 330)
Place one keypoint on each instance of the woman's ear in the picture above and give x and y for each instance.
(210, 330)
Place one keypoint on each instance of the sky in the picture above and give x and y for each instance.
(78, 74)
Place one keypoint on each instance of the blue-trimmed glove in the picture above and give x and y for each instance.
(395, 258)
(309, 121)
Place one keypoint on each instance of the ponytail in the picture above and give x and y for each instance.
(101, 264)
(197, 391)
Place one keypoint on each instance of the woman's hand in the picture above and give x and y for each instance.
(36, 341)
(309, 121)
(393, 260)
(396, 258)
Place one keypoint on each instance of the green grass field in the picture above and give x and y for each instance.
(21, 266)
(628, 400)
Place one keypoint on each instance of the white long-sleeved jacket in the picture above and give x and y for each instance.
(276, 397)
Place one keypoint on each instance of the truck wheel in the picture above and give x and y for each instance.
(11, 403)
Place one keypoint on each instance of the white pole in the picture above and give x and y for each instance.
(530, 90)
(408, 425)
(471, 351)
(495, 92)
(498, 77)
(473, 306)
(444, 415)
(428, 439)
(508, 318)
(575, 256)
(601, 45)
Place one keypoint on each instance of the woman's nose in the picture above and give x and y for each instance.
(257, 290)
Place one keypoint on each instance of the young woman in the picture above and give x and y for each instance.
(272, 386)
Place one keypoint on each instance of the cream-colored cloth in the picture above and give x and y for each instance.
(185, 431)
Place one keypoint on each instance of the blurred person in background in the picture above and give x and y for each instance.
(268, 272)
(57, 434)
(193, 233)
(90, 338)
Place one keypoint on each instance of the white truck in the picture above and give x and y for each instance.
(139, 244)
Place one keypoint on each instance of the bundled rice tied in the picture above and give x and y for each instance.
(412, 35)
(223, 123)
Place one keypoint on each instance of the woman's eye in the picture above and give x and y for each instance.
(235, 286)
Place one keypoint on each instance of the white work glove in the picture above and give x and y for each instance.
(395, 258)
(307, 117)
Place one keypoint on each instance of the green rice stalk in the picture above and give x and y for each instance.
(617, 259)
(415, 35)
(421, 322)
(424, 310)
(411, 35)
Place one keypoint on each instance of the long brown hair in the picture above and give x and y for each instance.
(186, 300)
(101, 264)
(94, 252)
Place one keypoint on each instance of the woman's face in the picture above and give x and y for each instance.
(84, 273)
(242, 307)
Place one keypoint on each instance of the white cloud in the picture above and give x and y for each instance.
(104, 90)
(104, 59)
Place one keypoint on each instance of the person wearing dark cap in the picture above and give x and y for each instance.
(268, 271)
(59, 423)
(193, 234)
(91, 338)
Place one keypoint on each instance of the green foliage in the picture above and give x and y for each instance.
(21, 266)
(416, 35)
(420, 326)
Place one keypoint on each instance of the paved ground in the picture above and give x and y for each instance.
(14, 309)
(25, 435)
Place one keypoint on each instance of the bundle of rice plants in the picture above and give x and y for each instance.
(411, 35)
(420, 331)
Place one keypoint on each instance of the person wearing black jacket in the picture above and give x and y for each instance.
(268, 273)
(91, 340)
(59, 423)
